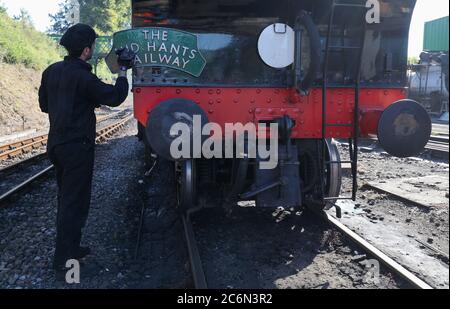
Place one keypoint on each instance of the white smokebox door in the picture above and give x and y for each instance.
(276, 45)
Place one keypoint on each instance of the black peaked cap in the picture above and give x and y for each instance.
(78, 37)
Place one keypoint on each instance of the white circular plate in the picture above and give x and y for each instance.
(276, 45)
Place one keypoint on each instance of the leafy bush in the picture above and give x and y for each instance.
(20, 43)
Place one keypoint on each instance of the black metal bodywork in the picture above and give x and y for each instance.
(349, 52)
(228, 32)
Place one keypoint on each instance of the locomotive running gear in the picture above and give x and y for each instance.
(78, 37)
(69, 93)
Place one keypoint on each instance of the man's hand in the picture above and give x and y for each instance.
(125, 58)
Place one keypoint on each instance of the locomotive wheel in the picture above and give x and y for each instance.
(310, 171)
(333, 172)
(187, 185)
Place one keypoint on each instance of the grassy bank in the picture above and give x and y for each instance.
(20, 43)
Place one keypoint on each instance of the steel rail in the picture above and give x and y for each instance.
(194, 255)
(23, 162)
(382, 257)
(23, 149)
(21, 143)
(442, 139)
(14, 149)
(440, 146)
(109, 116)
(102, 134)
(25, 183)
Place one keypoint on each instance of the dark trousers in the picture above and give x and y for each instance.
(74, 164)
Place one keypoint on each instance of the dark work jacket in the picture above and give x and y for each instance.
(69, 93)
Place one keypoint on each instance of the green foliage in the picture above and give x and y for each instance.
(2, 8)
(105, 16)
(59, 22)
(24, 17)
(413, 60)
(20, 43)
(103, 72)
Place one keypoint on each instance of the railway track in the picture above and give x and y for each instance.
(440, 129)
(439, 144)
(200, 279)
(17, 148)
(37, 167)
(195, 261)
(376, 253)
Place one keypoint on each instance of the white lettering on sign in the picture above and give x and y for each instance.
(165, 36)
(163, 47)
(155, 35)
(167, 53)
(134, 47)
(151, 46)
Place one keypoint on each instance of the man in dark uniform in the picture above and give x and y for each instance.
(69, 93)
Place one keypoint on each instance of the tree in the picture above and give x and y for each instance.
(2, 8)
(59, 21)
(106, 16)
(24, 17)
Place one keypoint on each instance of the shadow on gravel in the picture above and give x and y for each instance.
(120, 188)
(160, 259)
(249, 248)
(254, 248)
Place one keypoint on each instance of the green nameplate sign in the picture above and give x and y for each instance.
(160, 47)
